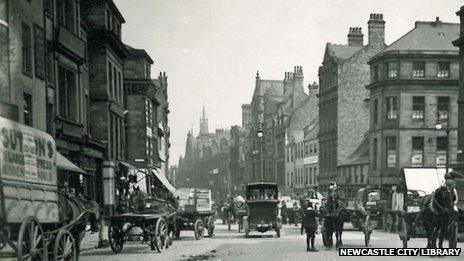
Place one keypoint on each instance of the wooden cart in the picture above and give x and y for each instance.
(195, 212)
(155, 229)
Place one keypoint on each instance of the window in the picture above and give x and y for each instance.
(115, 84)
(442, 147)
(148, 112)
(110, 79)
(39, 52)
(65, 14)
(375, 73)
(26, 49)
(418, 69)
(374, 154)
(392, 70)
(120, 87)
(111, 129)
(390, 145)
(27, 109)
(418, 107)
(315, 148)
(149, 150)
(50, 69)
(442, 143)
(417, 151)
(49, 8)
(109, 24)
(50, 118)
(443, 70)
(68, 94)
(391, 105)
(443, 108)
(375, 114)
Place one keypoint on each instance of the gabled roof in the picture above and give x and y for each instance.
(427, 36)
(341, 52)
(360, 155)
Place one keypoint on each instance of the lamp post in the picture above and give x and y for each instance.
(438, 127)
(260, 136)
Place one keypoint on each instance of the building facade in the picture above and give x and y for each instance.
(343, 99)
(414, 86)
(459, 42)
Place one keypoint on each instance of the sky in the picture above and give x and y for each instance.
(211, 49)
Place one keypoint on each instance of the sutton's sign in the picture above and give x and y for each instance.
(26, 154)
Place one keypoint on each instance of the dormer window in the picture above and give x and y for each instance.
(65, 13)
(418, 69)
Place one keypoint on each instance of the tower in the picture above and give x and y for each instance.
(204, 123)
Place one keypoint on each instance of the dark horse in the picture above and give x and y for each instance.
(335, 214)
(436, 215)
(76, 213)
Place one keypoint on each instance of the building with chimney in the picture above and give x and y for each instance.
(343, 99)
(164, 131)
(414, 86)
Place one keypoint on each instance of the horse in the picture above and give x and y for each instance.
(436, 212)
(77, 212)
(335, 214)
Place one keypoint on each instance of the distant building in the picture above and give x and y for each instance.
(311, 154)
(206, 161)
(343, 103)
(414, 85)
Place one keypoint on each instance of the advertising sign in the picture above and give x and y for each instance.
(26, 154)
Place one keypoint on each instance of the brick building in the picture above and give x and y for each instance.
(343, 106)
(414, 85)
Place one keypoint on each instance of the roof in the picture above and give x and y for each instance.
(427, 36)
(270, 87)
(138, 53)
(342, 51)
(262, 183)
(360, 155)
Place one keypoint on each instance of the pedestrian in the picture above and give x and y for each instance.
(283, 211)
(310, 225)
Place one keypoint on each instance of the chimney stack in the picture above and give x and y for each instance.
(376, 26)
(355, 37)
(297, 71)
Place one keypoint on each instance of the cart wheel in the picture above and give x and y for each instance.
(65, 246)
(388, 223)
(453, 240)
(198, 229)
(367, 231)
(116, 237)
(404, 233)
(158, 236)
(211, 227)
(31, 240)
(278, 232)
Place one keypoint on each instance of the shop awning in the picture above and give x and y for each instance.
(63, 163)
(424, 179)
(127, 165)
(164, 181)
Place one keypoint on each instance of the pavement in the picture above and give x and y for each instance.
(231, 245)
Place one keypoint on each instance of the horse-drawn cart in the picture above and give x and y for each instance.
(155, 229)
(195, 212)
(420, 185)
(38, 220)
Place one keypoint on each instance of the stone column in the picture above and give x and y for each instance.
(109, 187)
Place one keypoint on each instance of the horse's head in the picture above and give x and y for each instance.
(443, 199)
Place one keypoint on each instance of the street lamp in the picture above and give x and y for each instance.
(439, 127)
(260, 136)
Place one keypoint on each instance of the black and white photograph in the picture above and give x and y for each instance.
(231, 130)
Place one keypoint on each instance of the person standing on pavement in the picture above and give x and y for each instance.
(309, 220)
(283, 210)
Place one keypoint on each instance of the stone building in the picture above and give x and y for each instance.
(164, 131)
(459, 42)
(106, 54)
(206, 161)
(343, 104)
(237, 159)
(414, 85)
(311, 154)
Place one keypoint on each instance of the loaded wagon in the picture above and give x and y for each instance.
(263, 208)
(38, 219)
(195, 212)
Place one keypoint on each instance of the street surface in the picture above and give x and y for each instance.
(230, 245)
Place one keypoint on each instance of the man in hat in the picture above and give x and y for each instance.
(309, 221)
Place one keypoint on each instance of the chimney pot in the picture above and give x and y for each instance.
(376, 28)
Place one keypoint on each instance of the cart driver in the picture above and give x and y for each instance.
(451, 184)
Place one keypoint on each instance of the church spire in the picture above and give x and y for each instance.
(204, 123)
